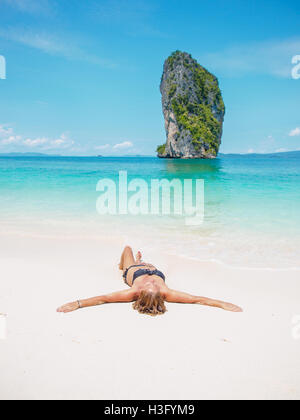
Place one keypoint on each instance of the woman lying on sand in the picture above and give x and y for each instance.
(148, 290)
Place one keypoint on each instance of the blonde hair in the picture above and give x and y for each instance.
(150, 304)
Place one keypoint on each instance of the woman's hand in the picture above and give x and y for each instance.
(69, 307)
(231, 308)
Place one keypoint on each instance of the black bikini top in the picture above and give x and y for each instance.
(143, 272)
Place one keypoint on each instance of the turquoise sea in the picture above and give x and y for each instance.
(252, 204)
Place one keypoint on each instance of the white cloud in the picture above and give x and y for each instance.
(103, 147)
(281, 150)
(43, 42)
(54, 45)
(9, 138)
(124, 145)
(35, 142)
(63, 142)
(29, 6)
(58, 142)
(271, 145)
(267, 57)
(5, 131)
(47, 43)
(295, 132)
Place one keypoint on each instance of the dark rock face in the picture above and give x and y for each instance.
(193, 109)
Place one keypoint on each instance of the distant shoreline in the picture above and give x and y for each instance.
(295, 153)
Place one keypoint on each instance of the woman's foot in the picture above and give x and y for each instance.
(138, 257)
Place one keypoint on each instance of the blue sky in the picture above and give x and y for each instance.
(82, 77)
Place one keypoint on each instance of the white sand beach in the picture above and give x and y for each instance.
(112, 352)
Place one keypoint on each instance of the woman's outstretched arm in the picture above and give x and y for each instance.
(181, 297)
(122, 296)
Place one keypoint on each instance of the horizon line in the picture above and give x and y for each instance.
(40, 154)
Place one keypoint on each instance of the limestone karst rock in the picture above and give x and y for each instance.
(193, 109)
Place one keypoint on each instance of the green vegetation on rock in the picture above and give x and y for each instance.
(192, 95)
(172, 90)
(198, 119)
(161, 149)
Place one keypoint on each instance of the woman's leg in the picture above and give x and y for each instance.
(127, 258)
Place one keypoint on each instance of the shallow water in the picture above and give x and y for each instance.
(251, 204)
